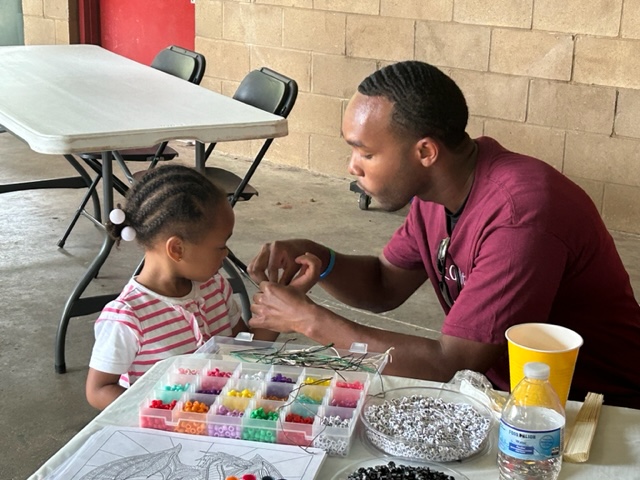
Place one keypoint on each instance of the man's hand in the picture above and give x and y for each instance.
(309, 272)
(276, 261)
(280, 308)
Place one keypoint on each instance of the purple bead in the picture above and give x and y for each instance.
(278, 377)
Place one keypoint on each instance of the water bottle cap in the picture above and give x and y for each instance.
(537, 370)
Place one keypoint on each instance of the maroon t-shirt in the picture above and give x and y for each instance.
(530, 246)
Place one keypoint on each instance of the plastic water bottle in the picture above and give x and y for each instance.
(531, 434)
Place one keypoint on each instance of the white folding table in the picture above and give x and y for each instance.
(69, 99)
(615, 453)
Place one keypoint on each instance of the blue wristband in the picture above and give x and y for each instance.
(332, 262)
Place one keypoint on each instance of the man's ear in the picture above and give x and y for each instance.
(174, 247)
(428, 150)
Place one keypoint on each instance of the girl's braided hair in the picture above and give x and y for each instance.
(170, 200)
(426, 102)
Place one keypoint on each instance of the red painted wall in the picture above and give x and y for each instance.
(139, 29)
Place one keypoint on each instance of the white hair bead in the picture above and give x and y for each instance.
(117, 216)
(128, 234)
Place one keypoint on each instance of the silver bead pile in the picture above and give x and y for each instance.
(336, 421)
(332, 444)
(426, 428)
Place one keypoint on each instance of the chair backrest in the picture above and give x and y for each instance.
(268, 90)
(181, 63)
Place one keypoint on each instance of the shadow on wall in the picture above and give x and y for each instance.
(11, 23)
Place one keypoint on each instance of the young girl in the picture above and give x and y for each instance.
(179, 300)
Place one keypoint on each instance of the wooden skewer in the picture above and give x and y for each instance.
(579, 442)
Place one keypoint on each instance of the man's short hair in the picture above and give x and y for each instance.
(426, 102)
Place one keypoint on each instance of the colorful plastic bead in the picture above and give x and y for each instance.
(259, 435)
(317, 381)
(302, 398)
(210, 391)
(276, 397)
(222, 410)
(295, 418)
(261, 414)
(178, 387)
(154, 422)
(192, 428)
(246, 393)
(278, 377)
(195, 407)
(354, 385)
(160, 404)
(344, 403)
(187, 371)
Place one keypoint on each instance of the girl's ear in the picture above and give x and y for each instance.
(174, 247)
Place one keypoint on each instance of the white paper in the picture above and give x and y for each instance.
(129, 452)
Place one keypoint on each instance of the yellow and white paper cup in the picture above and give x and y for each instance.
(542, 342)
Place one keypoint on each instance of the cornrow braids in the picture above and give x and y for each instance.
(170, 200)
(426, 102)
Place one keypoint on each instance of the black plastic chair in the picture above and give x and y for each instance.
(274, 93)
(173, 60)
(269, 91)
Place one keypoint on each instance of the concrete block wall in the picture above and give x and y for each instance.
(50, 22)
(556, 80)
(559, 80)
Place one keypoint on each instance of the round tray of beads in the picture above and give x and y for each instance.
(258, 402)
(397, 467)
(426, 424)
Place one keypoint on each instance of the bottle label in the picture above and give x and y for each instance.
(530, 445)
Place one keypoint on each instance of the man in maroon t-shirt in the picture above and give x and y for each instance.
(504, 239)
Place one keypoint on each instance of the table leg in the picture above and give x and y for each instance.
(107, 184)
(76, 306)
(200, 157)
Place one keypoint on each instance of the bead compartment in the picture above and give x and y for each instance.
(259, 428)
(173, 385)
(336, 439)
(345, 397)
(297, 433)
(353, 380)
(278, 391)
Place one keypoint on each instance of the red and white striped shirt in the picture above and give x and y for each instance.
(140, 327)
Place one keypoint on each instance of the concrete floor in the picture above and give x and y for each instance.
(43, 410)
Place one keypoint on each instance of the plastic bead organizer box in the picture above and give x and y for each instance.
(268, 392)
